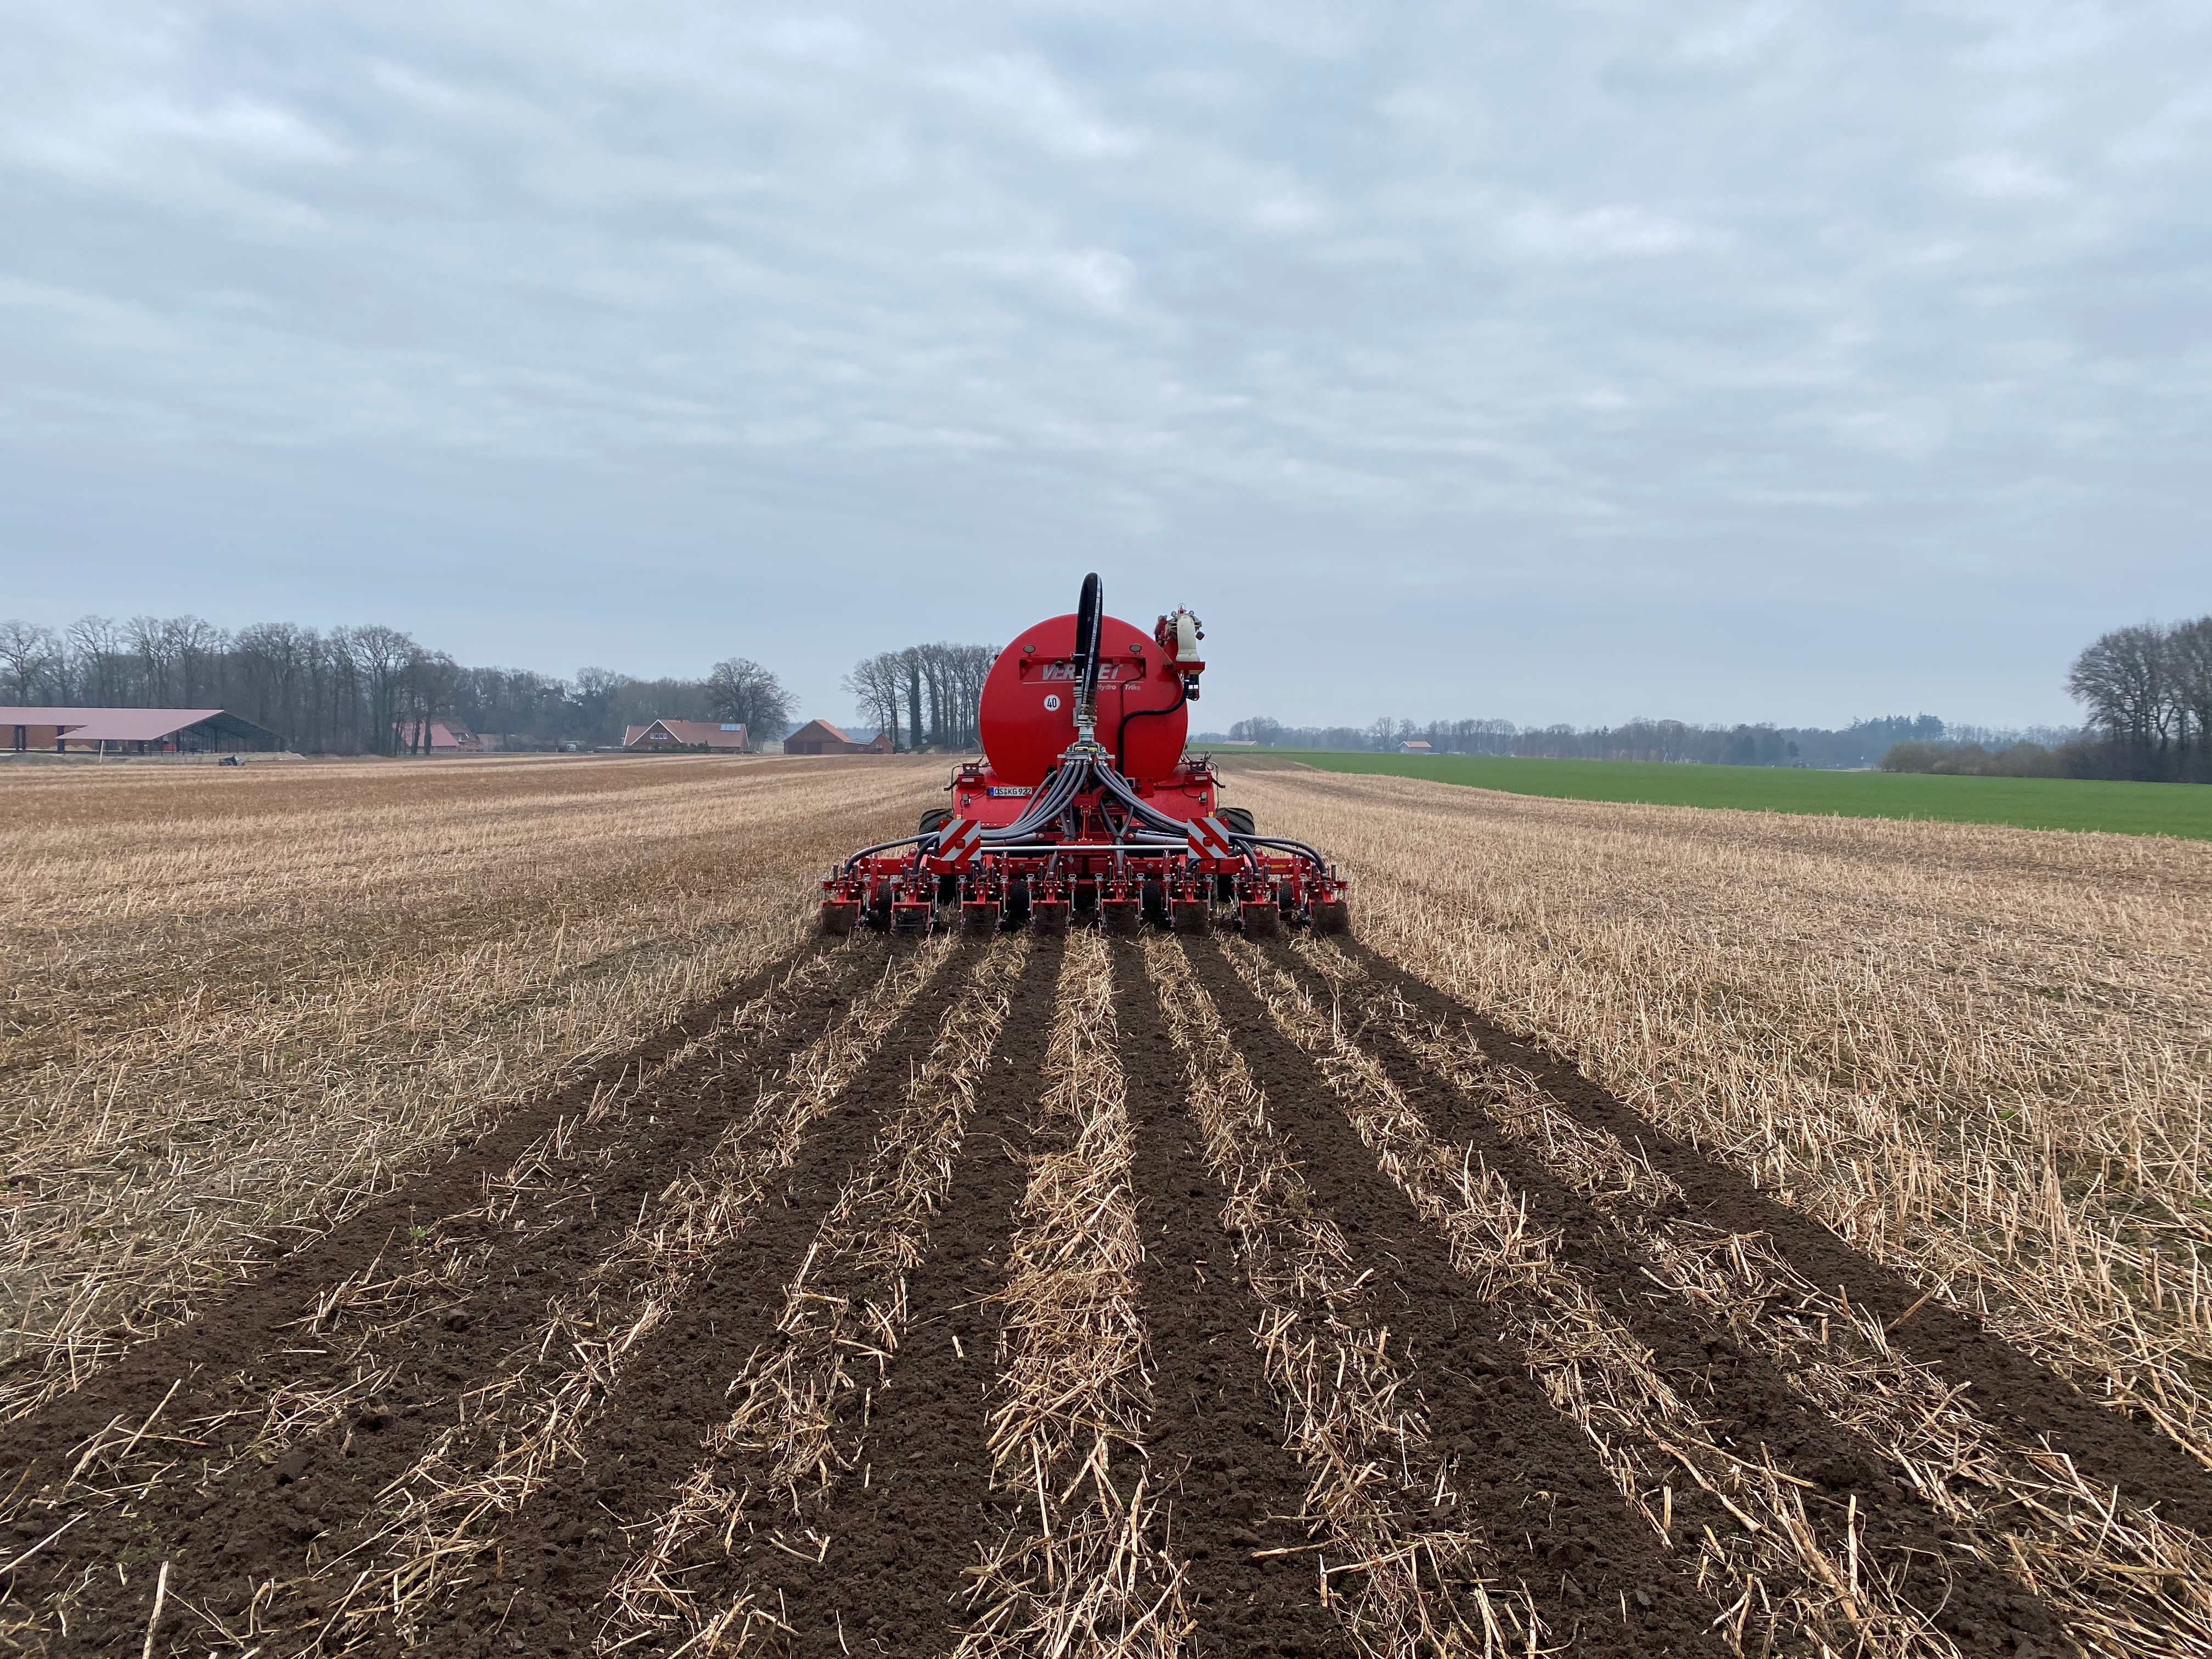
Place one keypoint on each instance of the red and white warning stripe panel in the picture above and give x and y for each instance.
(1209, 839)
(958, 843)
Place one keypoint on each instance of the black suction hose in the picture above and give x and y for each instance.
(1088, 609)
(1121, 731)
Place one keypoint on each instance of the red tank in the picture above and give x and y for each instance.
(1085, 806)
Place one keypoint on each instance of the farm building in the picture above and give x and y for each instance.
(133, 732)
(820, 738)
(1415, 746)
(687, 734)
(440, 737)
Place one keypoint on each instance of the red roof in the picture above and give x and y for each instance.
(712, 734)
(821, 728)
(110, 725)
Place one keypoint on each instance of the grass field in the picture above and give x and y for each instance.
(2128, 809)
(460, 1207)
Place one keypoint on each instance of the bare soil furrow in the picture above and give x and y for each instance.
(2124, 1581)
(350, 1380)
(1842, 1481)
(1548, 1506)
(243, 1516)
(261, 1314)
(1088, 1572)
(1234, 1494)
(437, 1525)
(902, 1531)
(2110, 1444)
(560, 1550)
(1395, 1556)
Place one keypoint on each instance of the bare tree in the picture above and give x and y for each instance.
(381, 656)
(744, 693)
(2188, 672)
(875, 685)
(2122, 679)
(26, 653)
(102, 669)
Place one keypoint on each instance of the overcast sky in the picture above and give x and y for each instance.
(1771, 362)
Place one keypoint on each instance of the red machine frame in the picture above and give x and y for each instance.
(1044, 837)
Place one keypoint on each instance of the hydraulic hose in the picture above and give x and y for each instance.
(1121, 731)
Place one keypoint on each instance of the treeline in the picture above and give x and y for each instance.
(1863, 743)
(925, 696)
(360, 690)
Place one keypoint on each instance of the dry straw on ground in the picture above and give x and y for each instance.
(1086, 1575)
(239, 1004)
(1980, 1054)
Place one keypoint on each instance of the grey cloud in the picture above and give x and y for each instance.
(1475, 359)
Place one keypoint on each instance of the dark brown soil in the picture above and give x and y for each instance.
(905, 1530)
(2107, 1443)
(1216, 1451)
(1550, 1515)
(894, 1579)
(1761, 1416)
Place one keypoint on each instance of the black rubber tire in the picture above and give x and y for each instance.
(1238, 818)
(936, 818)
(1018, 902)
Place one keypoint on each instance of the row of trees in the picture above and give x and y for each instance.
(1861, 743)
(929, 693)
(2148, 691)
(359, 690)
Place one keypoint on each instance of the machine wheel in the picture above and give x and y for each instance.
(840, 920)
(1333, 916)
(1238, 818)
(879, 913)
(935, 819)
(1018, 902)
(1261, 921)
(1156, 903)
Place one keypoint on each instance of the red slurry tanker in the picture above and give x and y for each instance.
(1085, 806)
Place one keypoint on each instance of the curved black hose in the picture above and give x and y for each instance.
(1087, 610)
(1121, 731)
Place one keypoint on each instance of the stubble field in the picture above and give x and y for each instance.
(459, 1207)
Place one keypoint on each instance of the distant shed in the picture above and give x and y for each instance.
(133, 732)
(721, 736)
(820, 738)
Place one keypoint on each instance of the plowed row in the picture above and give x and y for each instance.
(1130, 1296)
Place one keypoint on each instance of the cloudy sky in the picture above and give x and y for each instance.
(1576, 361)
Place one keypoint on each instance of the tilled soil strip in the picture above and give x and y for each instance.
(266, 1506)
(902, 1535)
(1235, 1491)
(256, 1316)
(1839, 1479)
(2121, 1580)
(1549, 1510)
(1394, 1555)
(436, 1526)
(1088, 1571)
(559, 1552)
(2010, 1385)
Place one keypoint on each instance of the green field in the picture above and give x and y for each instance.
(2127, 809)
